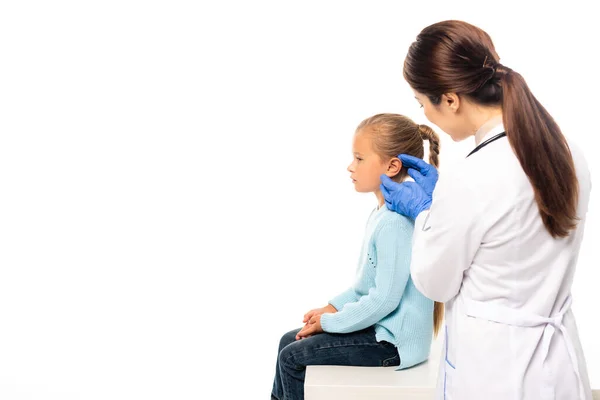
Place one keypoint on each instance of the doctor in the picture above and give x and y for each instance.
(498, 238)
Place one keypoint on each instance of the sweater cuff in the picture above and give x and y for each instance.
(326, 322)
(341, 300)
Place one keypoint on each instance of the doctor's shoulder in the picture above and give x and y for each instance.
(482, 175)
(460, 178)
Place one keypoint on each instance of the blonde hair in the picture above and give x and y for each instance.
(394, 134)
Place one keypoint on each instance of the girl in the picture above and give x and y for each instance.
(383, 320)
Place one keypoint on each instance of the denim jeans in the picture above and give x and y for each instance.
(356, 348)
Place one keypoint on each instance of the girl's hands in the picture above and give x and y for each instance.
(312, 327)
(312, 320)
(318, 311)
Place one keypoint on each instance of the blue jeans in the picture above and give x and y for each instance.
(356, 349)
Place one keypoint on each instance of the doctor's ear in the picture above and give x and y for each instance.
(394, 167)
(451, 100)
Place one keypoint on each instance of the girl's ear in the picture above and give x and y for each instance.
(394, 167)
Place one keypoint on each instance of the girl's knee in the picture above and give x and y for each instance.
(288, 338)
(286, 356)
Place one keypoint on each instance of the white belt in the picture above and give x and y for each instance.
(518, 317)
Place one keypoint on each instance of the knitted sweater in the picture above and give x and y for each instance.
(383, 294)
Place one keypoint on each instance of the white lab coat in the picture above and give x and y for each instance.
(483, 250)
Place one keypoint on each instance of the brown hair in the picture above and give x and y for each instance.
(457, 57)
(394, 134)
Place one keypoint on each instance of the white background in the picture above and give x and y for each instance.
(173, 185)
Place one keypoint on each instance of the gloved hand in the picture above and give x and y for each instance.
(410, 198)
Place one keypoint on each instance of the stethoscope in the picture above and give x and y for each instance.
(475, 150)
(490, 140)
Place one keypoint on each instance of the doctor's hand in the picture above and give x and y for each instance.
(410, 198)
(423, 173)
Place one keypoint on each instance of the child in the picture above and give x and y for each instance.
(382, 320)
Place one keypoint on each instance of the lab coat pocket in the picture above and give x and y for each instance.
(449, 382)
(449, 378)
(486, 360)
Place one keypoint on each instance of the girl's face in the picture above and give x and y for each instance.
(366, 167)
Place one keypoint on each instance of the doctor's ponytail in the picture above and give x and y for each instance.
(457, 57)
(542, 151)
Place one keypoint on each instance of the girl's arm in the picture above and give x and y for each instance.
(348, 296)
(393, 248)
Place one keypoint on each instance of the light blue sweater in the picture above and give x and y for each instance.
(383, 294)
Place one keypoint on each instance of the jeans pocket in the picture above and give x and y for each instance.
(392, 361)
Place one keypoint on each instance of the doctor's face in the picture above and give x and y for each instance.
(367, 166)
(444, 115)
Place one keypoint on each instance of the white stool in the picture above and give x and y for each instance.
(373, 383)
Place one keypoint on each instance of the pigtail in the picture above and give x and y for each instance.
(434, 144)
(434, 159)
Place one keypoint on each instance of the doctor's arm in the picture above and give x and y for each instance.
(446, 238)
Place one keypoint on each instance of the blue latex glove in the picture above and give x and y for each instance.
(410, 198)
